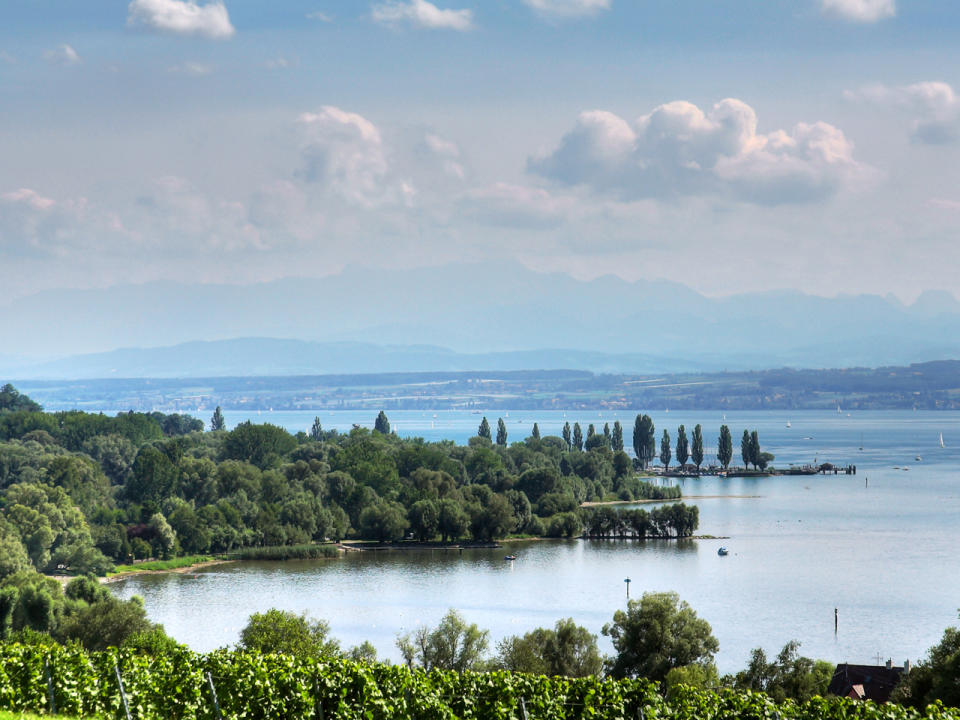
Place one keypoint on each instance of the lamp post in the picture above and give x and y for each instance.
(627, 581)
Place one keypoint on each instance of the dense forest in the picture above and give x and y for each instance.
(80, 491)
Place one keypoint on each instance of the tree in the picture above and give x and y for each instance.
(755, 449)
(617, 442)
(745, 451)
(384, 522)
(665, 454)
(260, 445)
(164, 535)
(567, 650)
(789, 676)
(13, 400)
(217, 422)
(725, 447)
(281, 631)
(657, 633)
(644, 444)
(568, 438)
(452, 645)
(591, 431)
(424, 517)
(936, 677)
(106, 622)
(484, 429)
(452, 521)
(501, 433)
(316, 430)
(683, 447)
(577, 437)
(606, 433)
(536, 431)
(381, 424)
(696, 451)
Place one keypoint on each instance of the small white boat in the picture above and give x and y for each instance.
(788, 424)
(918, 458)
(511, 558)
(723, 551)
(941, 440)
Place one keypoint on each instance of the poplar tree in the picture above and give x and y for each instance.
(217, 422)
(591, 431)
(501, 432)
(755, 450)
(644, 444)
(725, 447)
(577, 436)
(745, 449)
(665, 454)
(536, 431)
(316, 430)
(382, 424)
(617, 436)
(696, 452)
(484, 429)
(683, 446)
(566, 435)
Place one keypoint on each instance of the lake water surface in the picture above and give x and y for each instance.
(881, 547)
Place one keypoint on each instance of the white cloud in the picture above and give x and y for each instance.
(192, 68)
(277, 63)
(933, 106)
(32, 224)
(423, 14)
(568, 8)
(864, 11)
(320, 16)
(181, 17)
(679, 150)
(515, 206)
(62, 55)
(343, 152)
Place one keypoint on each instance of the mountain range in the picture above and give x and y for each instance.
(458, 317)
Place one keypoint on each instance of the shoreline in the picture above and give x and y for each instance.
(180, 570)
(647, 501)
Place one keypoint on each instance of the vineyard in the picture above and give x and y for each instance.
(230, 684)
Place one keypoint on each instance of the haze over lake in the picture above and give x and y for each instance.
(882, 552)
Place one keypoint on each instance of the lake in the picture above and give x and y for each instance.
(879, 546)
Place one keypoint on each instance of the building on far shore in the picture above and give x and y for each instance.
(866, 682)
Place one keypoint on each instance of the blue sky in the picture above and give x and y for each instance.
(731, 146)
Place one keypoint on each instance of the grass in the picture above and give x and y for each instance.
(172, 564)
(286, 552)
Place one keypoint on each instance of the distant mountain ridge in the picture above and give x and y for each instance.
(488, 312)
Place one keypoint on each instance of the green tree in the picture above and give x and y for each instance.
(936, 677)
(385, 522)
(382, 424)
(259, 445)
(316, 430)
(567, 650)
(452, 520)
(696, 450)
(745, 451)
(217, 422)
(424, 517)
(643, 440)
(591, 431)
(683, 446)
(755, 449)
(280, 631)
(107, 622)
(452, 645)
(536, 431)
(568, 438)
(789, 676)
(665, 453)
(484, 429)
(617, 442)
(501, 433)
(154, 477)
(725, 447)
(657, 633)
(577, 437)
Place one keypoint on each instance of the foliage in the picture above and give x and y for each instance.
(657, 633)
(452, 645)
(643, 441)
(725, 447)
(789, 675)
(287, 552)
(216, 421)
(936, 678)
(696, 449)
(280, 631)
(382, 424)
(567, 649)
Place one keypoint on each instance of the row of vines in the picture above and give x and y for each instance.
(177, 685)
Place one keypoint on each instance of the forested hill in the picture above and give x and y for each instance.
(931, 385)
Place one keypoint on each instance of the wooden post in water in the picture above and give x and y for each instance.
(836, 620)
(627, 581)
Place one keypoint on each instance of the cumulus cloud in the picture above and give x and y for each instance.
(343, 152)
(678, 150)
(32, 224)
(568, 8)
(933, 106)
(181, 17)
(62, 55)
(863, 11)
(421, 14)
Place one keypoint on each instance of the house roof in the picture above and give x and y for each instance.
(865, 682)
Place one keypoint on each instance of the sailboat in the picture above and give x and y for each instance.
(788, 424)
(941, 440)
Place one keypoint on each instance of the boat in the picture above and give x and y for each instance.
(918, 458)
(723, 551)
(788, 424)
(941, 440)
(510, 557)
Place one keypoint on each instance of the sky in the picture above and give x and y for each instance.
(732, 146)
